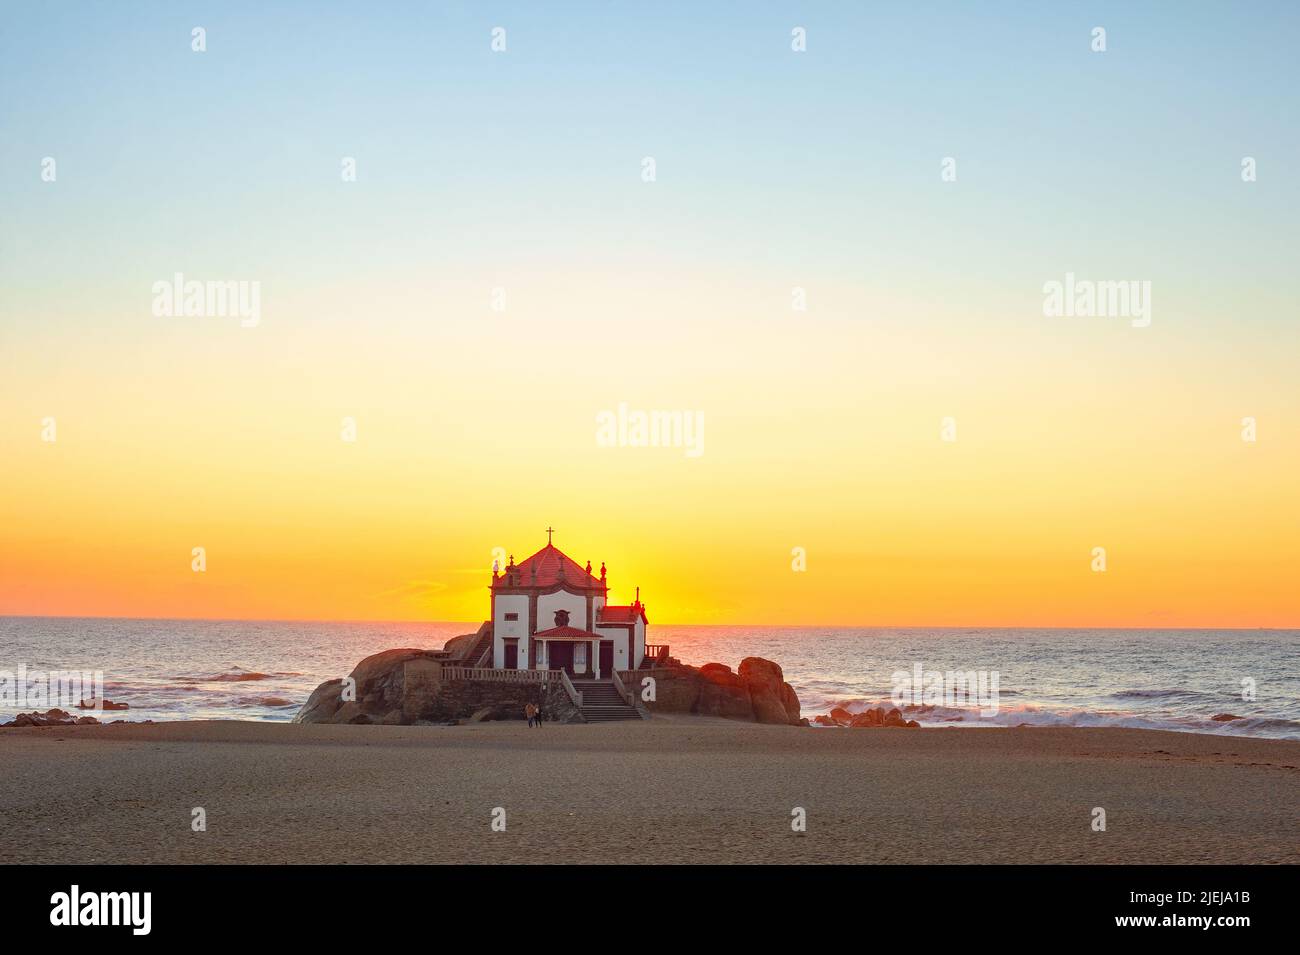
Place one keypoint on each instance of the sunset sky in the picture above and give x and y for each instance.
(522, 170)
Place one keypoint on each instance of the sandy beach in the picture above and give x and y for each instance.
(670, 790)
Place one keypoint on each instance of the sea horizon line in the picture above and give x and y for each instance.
(702, 626)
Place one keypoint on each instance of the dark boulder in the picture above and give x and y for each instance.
(723, 693)
(54, 717)
(757, 692)
(879, 717)
(322, 704)
(773, 700)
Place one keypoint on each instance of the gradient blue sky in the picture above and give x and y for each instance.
(775, 170)
(1113, 164)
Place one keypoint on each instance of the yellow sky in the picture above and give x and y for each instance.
(478, 430)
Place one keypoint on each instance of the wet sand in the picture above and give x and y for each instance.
(669, 790)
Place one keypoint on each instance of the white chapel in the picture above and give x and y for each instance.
(548, 612)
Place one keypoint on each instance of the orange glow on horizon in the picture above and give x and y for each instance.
(212, 440)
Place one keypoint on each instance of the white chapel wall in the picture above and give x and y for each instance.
(576, 604)
(619, 636)
(502, 628)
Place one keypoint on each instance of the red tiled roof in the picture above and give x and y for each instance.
(566, 633)
(610, 614)
(552, 567)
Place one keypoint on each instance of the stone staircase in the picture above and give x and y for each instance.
(657, 655)
(601, 703)
(480, 654)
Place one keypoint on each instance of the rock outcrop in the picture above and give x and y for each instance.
(51, 718)
(867, 719)
(406, 686)
(457, 647)
(102, 705)
(756, 692)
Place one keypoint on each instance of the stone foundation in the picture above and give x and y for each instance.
(405, 687)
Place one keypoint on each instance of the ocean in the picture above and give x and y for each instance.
(1155, 679)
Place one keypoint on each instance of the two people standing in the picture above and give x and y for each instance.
(534, 714)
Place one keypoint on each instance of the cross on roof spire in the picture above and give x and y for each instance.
(549, 532)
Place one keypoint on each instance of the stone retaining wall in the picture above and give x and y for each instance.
(405, 687)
